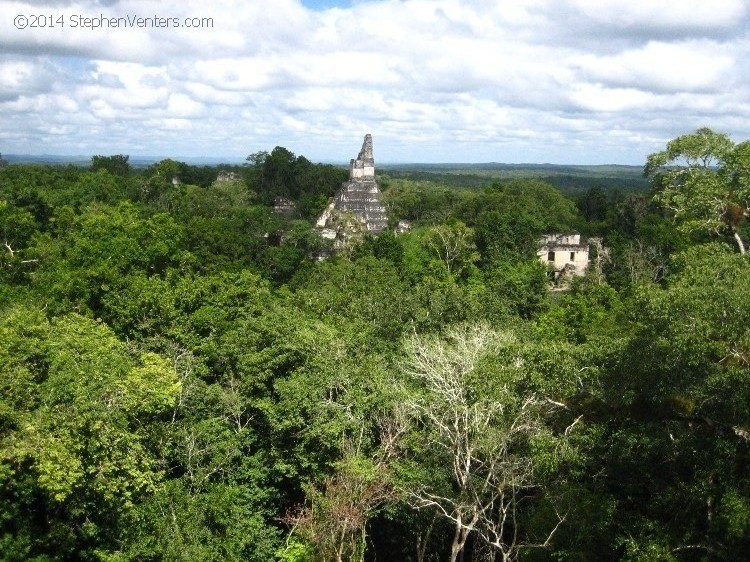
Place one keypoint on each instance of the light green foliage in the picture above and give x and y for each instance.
(702, 149)
(233, 194)
(331, 394)
(734, 513)
(437, 296)
(91, 399)
(22, 364)
(296, 550)
(649, 549)
(75, 443)
(701, 178)
(16, 227)
(333, 524)
(151, 387)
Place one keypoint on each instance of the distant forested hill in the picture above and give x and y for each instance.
(571, 179)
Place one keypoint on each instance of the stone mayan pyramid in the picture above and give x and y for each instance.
(357, 206)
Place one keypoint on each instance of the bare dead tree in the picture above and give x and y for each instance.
(484, 440)
(644, 263)
(453, 245)
(603, 257)
(236, 411)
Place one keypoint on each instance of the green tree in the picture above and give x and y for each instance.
(703, 179)
(17, 227)
(158, 181)
(670, 413)
(98, 185)
(282, 174)
(593, 205)
(367, 293)
(75, 453)
(512, 287)
(101, 247)
(117, 164)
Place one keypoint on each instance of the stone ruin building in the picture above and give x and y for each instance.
(284, 207)
(565, 254)
(227, 176)
(357, 207)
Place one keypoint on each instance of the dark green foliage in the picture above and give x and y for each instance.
(117, 165)
(568, 179)
(513, 288)
(282, 174)
(17, 227)
(222, 523)
(367, 293)
(292, 245)
(387, 246)
(101, 246)
(38, 189)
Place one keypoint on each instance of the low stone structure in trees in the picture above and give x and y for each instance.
(284, 207)
(227, 176)
(357, 207)
(565, 254)
(403, 227)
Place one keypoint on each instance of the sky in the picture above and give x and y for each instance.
(513, 81)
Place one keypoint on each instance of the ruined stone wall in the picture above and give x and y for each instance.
(363, 167)
(563, 252)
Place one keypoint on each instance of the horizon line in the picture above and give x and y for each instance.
(69, 158)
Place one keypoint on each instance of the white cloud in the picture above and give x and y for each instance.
(597, 98)
(461, 80)
(181, 105)
(22, 77)
(667, 67)
(698, 15)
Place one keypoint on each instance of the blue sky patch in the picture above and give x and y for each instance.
(325, 4)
